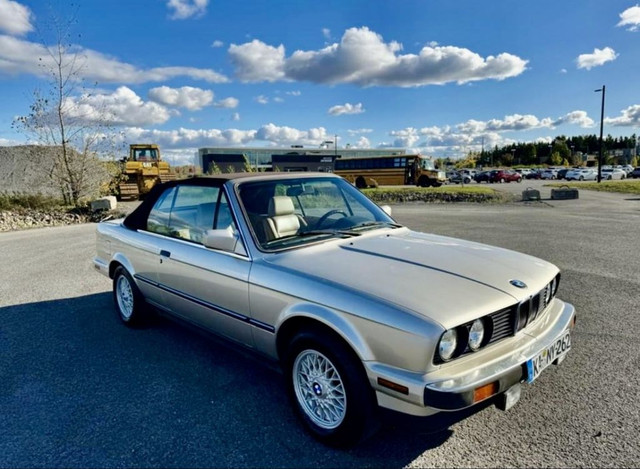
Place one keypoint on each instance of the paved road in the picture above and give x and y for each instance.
(79, 389)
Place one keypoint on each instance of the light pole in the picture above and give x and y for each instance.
(513, 156)
(601, 128)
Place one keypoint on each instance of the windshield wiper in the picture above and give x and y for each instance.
(304, 234)
(374, 224)
(321, 232)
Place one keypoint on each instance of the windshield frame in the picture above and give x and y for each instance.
(303, 241)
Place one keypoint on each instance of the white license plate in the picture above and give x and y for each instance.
(557, 350)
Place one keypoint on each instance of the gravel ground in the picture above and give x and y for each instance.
(80, 390)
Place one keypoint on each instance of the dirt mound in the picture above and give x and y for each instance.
(29, 169)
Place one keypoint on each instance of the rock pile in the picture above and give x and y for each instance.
(11, 220)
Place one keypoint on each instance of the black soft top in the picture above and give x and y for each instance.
(138, 218)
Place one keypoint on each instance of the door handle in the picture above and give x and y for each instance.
(165, 253)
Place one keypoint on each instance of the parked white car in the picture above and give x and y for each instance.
(614, 173)
(581, 174)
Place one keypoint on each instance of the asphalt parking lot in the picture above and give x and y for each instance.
(81, 390)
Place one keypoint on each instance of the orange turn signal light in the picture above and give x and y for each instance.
(391, 385)
(484, 392)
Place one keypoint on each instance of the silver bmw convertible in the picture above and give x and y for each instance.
(359, 311)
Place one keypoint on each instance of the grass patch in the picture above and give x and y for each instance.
(18, 201)
(623, 187)
(474, 194)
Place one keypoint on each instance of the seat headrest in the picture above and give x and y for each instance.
(280, 205)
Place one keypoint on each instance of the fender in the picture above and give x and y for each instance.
(119, 258)
(336, 321)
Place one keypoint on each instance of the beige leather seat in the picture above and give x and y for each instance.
(281, 221)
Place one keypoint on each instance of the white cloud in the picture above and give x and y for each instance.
(18, 56)
(406, 137)
(363, 58)
(262, 99)
(630, 118)
(190, 138)
(183, 9)
(563, 70)
(217, 43)
(186, 97)
(353, 132)
(293, 93)
(235, 116)
(363, 142)
(288, 135)
(347, 108)
(227, 103)
(576, 117)
(597, 58)
(15, 18)
(256, 61)
(123, 107)
(630, 17)
(326, 32)
(278, 99)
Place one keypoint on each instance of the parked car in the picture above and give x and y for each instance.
(506, 175)
(549, 174)
(613, 173)
(458, 177)
(583, 174)
(533, 174)
(485, 176)
(469, 172)
(359, 311)
(627, 169)
(635, 173)
(523, 171)
(562, 173)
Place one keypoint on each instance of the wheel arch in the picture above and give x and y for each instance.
(120, 260)
(329, 322)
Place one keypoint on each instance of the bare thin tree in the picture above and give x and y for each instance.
(60, 117)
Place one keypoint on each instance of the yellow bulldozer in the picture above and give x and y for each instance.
(142, 170)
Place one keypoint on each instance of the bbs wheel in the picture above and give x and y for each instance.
(128, 300)
(329, 389)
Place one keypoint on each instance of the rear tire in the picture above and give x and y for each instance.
(361, 183)
(128, 300)
(329, 389)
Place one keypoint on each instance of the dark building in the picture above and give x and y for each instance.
(296, 162)
(226, 162)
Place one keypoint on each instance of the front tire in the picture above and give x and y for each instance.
(128, 300)
(329, 389)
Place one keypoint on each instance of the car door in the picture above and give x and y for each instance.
(202, 285)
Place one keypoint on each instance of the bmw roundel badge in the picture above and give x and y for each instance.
(518, 283)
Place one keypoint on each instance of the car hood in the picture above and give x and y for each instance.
(448, 280)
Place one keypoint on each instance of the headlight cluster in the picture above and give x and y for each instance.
(474, 335)
(468, 337)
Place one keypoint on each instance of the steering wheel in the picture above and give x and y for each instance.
(324, 217)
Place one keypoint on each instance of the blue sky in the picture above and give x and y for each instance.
(439, 77)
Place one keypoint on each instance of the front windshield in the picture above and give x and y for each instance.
(427, 164)
(286, 212)
(145, 154)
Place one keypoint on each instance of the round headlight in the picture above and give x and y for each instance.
(448, 344)
(476, 334)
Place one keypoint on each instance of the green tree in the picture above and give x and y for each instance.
(556, 159)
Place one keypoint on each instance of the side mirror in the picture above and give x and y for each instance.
(386, 209)
(222, 240)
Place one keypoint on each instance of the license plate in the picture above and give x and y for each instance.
(556, 351)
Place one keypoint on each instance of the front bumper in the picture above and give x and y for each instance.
(452, 386)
